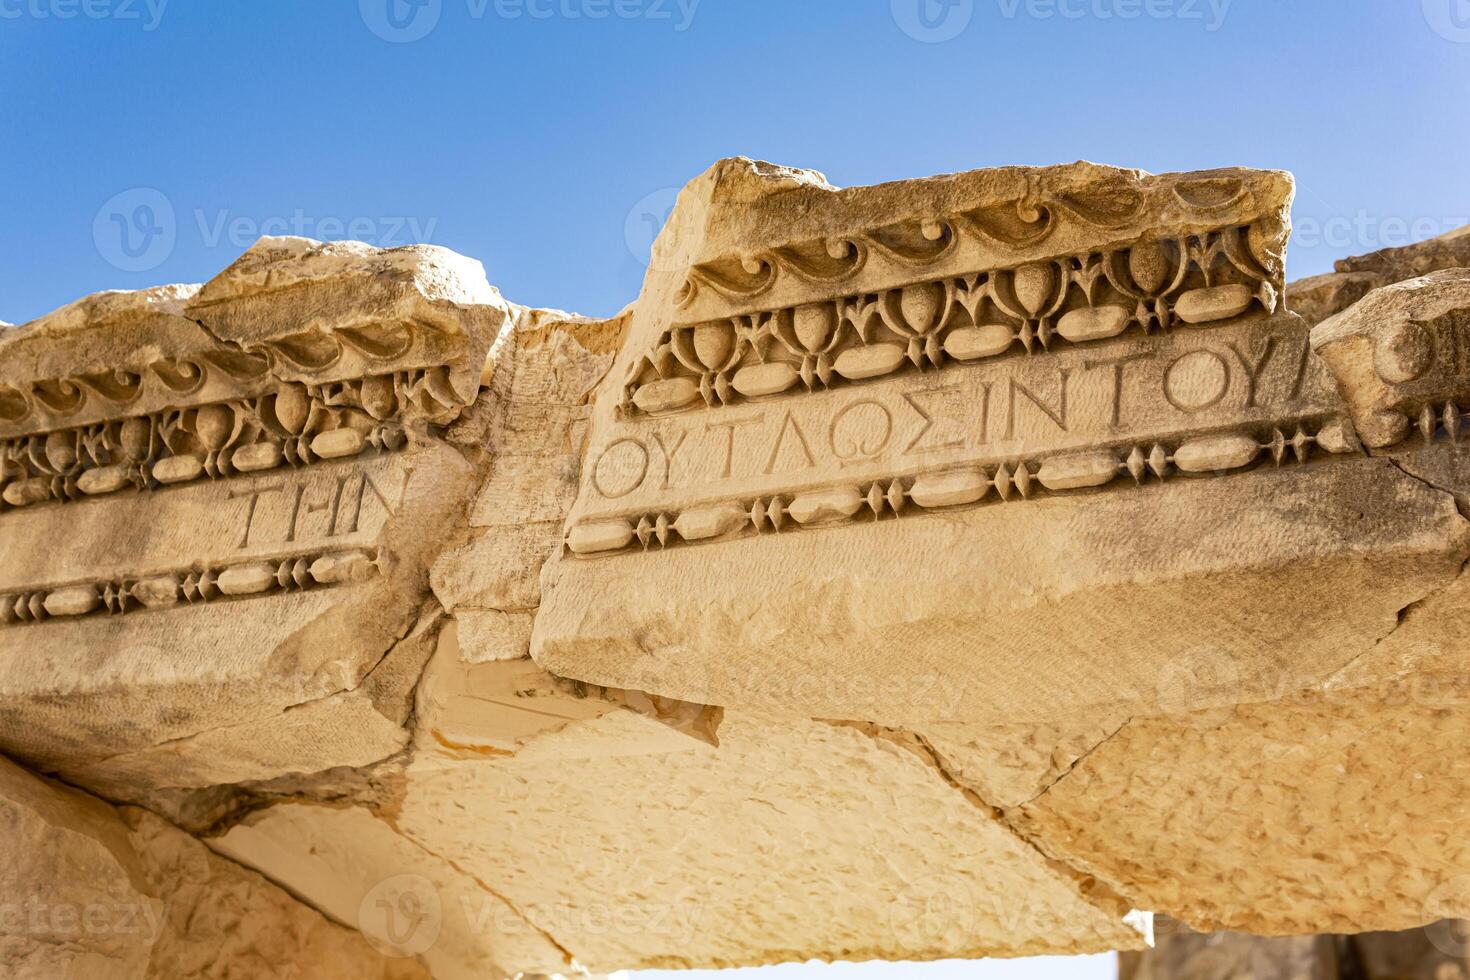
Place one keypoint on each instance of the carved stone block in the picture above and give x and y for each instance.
(996, 446)
(218, 506)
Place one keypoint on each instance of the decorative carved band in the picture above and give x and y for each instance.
(288, 425)
(963, 487)
(326, 358)
(290, 573)
(1110, 207)
(1195, 280)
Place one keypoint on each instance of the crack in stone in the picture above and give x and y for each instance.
(1090, 886)
(567, 955)
(1462, 507)
(1077, 762)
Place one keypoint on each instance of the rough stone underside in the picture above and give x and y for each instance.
(958, 567)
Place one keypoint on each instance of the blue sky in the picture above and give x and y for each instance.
(150, 140)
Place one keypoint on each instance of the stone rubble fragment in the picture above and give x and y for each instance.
(92, 892)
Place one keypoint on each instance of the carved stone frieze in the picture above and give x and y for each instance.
(824, 239)
(1071, 418)
(1154, 285)
(166, 590)
(269, 443)
(1406, 349)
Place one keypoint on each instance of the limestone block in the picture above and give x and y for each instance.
(227, 921)
(531, 423)
(1317, 813)
(220, 507)
(1320, 297)
(91, 892)
(791, 840)
(74, 894)
(358, 869)
(813, 398)
(638, 841)
(1448, 251)
(1337, 807)
(1400, 356)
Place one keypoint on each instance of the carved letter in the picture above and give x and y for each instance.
(789, 422)
(669, 455)
(254, 494)
(730, 427)
(911, 398)
(1057, 416)
(1253, 369)
(1119, 365)
(1197, 380)
(364, 484)
(625, 470)
(857, 447)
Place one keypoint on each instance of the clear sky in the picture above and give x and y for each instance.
(149, 141)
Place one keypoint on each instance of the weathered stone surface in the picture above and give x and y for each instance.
(1436, 952)
(594, 783)
(1399, 355)
(93, 893)
(1317, 813)
(1089, 474)
(208, 620)
(362, 871)
(1320, 297)
(944, 568)
(67, 857)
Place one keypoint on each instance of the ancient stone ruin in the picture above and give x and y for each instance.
(972, 566)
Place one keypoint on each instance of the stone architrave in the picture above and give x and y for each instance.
(1003, 446)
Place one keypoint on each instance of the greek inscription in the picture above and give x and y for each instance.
(929, 421)
(727, 470)
(1196, 381)
(670, 454)
(860, 431)
(1119, 365)
(621, 468)
(1253, 367)
(290, 518)
(1057, 413)
(789, 424)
